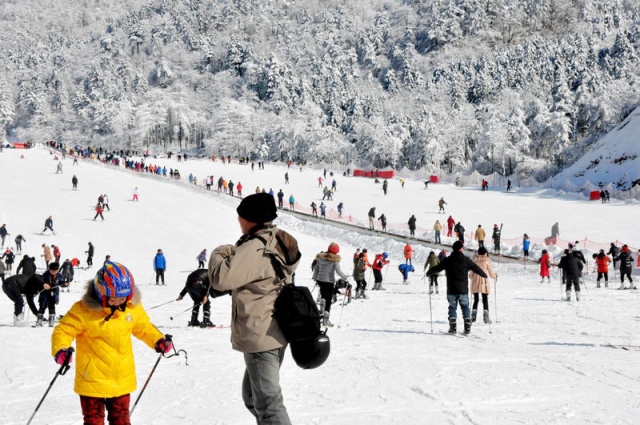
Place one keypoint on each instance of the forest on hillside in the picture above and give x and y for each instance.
(456, 85)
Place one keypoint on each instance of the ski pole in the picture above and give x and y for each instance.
(160, 305)
(584, 283)
(430, 310)
(495, 296)
(63, 369)
(184, 311)
(344, 301)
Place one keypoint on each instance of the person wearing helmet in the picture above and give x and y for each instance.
(379, 262)
(255, 269)
(102, 323)
(324, 274)
(626, 264)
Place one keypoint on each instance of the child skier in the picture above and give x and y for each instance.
(50, 294)
(378, 263)
(198, 288)
(102, 323)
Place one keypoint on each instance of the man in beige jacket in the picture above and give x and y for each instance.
(247, 270)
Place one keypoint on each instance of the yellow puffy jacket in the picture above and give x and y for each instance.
(105, 366)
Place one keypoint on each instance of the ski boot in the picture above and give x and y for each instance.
(325, 320)
(598, 284)
(487, 320)
(474, 315)
(206, 323)
(467, 326)
(437, 292)
(568, 296)
(452, 325)
(577, 295)
(18, 321)
(40, 319)
(194, 322)
(52, 320)
(606, 283)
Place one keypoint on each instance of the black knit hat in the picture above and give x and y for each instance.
(258, 208)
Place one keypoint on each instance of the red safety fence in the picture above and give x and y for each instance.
(384, 174)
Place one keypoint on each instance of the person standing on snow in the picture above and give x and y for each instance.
(50, 295)
(56, 253)
(27, 266)
(3, 234)
(359, 268)
(89, 253)
(408, 254)
(254, 283)
(555, 230)
(480, 285)
(136, 192)
(197, 286)
(378, 263)
(457, 267)
(526, 243)
(385, 186)
(480, 235)
(412, 226)
(105, 202)
(74, 183)
(626, 264)
(202, 257)
(441, 204)
(99, 210)
(383, 222)
(372, 217)
(280, 198)
(314, 209)
(545, 266)
(432, 261)
(450, 223)
(613, 252)
(459, 229)
(102, 323)
(496, 238)
(159, 265)
(571, 265)
(324, 271)
(18, 240)
(46, 253)
(437, 228)
(59, 168)
(292, 202)
(602, 263)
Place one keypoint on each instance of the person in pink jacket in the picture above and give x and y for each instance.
(545, 266)
(480, 285)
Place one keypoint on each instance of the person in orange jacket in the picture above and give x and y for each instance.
(408, 254)
(378, 263)
(602, 263)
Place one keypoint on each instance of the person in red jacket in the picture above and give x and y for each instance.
(545, 266)
(378, 263)
(99, 209)
(450, 223)
(408, 254)
(602, 262)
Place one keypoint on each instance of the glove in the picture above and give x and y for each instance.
(61, 356)
(164, 346)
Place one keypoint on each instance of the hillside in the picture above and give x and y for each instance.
(519, 89)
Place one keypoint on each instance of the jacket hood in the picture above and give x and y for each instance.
(282, 246)
(328, 256)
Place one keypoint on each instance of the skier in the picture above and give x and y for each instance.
(496, 238)
(508, 185)
(18, 285)
(432, 261)
(412, 226)
(74, 183)
(572, 266)
(280, 198)
(8, 258)
(405, 269)
(99, 210)
(545, 266)
(480, 235)
(324, 272)
(383, 222)
(408, 254)
(480, 285)
(314, 209)
(197, 286)
(613, 252)
(89, 253)
(3, 234)
(50, 295)
(239, 189)
(27, 266)
(459, 229)
(323, 210)
(441, 204)
(602, 263)
(202, 257)
(379, 262)
(19, 239)
(286, 178)
(136, 192)
(59, 168)
(102, 323)
(385, 186)
(66, 271)
(340, 208)
(555, 231)
(56, 253)
(105, 202)
(457, 267)
(159, 265)
(450, 223)
(626, 264)
(372, 217)
(437, 228)
(48, 224)
(359, 268)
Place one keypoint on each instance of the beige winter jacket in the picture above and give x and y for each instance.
(47, 253)
(480, 284)
(246, 269)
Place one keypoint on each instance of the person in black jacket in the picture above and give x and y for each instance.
(17, 285)
(90, 252)
(571, 265)
(626, 264)
(198, 288)
(27, 266)
(613, 252)
(457, 267)
(459, 229)
(412, 226)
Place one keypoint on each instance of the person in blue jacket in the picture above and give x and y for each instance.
(160, 265)
(526, 243)
(405, 269)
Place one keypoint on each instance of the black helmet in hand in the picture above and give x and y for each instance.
(312, 353)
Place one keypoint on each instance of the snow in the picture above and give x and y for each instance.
(543, 361)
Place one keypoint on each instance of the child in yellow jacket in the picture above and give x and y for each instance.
(102, 323)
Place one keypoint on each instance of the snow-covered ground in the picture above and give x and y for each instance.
(545, 361)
